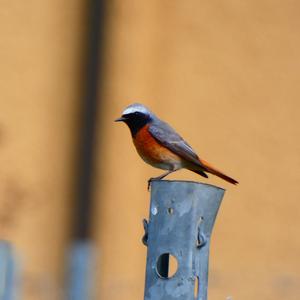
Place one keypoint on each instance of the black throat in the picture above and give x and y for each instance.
(136, 123)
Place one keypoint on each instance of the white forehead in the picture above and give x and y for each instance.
(135, 108)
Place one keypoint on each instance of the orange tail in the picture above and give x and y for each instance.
(210, 169)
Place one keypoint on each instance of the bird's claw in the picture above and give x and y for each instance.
(149, 183)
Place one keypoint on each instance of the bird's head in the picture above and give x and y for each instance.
(136, 116)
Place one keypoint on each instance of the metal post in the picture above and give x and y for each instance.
(9, 281)
(81, 260)
(182, 215)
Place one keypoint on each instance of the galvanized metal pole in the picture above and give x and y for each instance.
(9, 272)
(182, 215)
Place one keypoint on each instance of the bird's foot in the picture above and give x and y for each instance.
(149, 183)
(153, 179)
(159, 178)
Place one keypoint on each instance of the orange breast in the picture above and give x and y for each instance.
(154, 153)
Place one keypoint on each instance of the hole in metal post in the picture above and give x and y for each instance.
(196, 288)
(170, 211)
(166, 265)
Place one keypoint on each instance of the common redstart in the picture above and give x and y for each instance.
(161, 146)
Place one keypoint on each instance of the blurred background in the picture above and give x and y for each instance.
(225, 74)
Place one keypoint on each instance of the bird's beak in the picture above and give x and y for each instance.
(121, 119)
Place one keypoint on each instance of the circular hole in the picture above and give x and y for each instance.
(170, 211)
(166, 265)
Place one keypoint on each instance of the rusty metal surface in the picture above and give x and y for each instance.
(182, 215)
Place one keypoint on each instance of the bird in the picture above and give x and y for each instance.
(162, 147)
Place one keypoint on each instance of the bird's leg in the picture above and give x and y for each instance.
(159, 177)
(163, 175)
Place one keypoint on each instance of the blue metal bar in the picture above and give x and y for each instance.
(182, 215)
(81, 261)
(9, 283)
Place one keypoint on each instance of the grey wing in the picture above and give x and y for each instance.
(168, 137)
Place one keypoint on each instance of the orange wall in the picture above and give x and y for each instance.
(41, 62)
(226, 76)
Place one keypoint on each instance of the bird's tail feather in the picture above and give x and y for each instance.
(210, 169)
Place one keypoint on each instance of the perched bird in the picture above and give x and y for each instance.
(161, 146)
